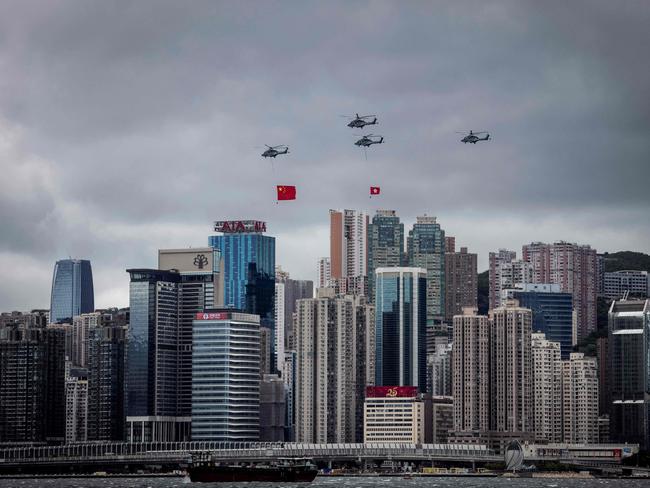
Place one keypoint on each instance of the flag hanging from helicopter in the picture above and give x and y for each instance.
(375, 190)
(286, 192)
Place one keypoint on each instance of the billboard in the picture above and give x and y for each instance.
(212, 316)
(239, 226)
(391, 391)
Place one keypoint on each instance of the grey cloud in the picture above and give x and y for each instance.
(146, 118)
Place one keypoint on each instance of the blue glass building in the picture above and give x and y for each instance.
(72, 290)
(400, 327)
(552, 312)
(249, 259)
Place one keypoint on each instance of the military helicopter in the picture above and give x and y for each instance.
(473, 138)
(360, 121)
(273, 151)
(369, 140)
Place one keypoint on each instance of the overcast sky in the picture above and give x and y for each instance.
(126, 127)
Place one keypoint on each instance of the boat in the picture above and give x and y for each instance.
(283, 470)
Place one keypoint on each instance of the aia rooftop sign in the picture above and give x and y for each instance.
(239, 226)
(212, 316)
(391, 391)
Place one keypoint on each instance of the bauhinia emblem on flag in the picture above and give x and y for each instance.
(286, 192)
(375, 190)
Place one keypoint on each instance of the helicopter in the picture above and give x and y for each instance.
(359, 121)
(369, 140)
(473, 138)
(273, 151)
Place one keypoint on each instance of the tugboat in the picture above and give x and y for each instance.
(288, 470)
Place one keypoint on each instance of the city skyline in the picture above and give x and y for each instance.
(102, 107)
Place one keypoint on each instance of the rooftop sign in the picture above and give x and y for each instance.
(391, 391)
(239, 226)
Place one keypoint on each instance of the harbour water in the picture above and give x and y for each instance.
(330, 482)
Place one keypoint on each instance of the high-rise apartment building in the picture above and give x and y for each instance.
(505, 272)
(72, 290)
(629, 371)
(324, 273)
(575, 268)
(511, 385)
(471, 372)
(547, 389)
(552, 311)
(226, 376)
(289, 373)
(329, 350)
(349, 250)
(32, 384)
(106, 374)
(285, 308)
(580, 399)
(385, 245)
(80, 326)
(272, 408)
(426, 249)
(461, 281)
(400, 327)
(76, 406)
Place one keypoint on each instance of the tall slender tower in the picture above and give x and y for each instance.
(580, 399)
(471, 372)
(349, 250)
(547, 386)
(461, 281)
(385, 245)
(426, 249)
(72, 290)
(511, 386)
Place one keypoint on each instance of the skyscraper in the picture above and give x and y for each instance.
(331, 338)
(511, 386)
(629, 371)
(426, 249)
(385, 245)
(552, 311)
(72, 290)
(200, 288)
(226, 376)
(471, 372)
(106, 371)
(439, 365)
(547, 389)
(152, 409)
(80, 327)
(349, 250)
(76, 405)
(461, 281)
(575, 268)
(580, 399)
(400, 327)
(285, 307)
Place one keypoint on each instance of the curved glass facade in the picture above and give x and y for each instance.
(72, 290)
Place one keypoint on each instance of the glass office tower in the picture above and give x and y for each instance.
(629, 371)
(552, 312)
(385, 245)
(72, 290)
(426, 249)
(400, 327)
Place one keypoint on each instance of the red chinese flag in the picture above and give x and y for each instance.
(374, 190)
(286, 192)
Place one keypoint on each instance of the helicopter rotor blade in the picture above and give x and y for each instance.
(366, 116)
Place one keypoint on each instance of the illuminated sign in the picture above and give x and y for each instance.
(391, 391)
(239, 226)
(212, 316)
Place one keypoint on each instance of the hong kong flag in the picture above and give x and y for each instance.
(286, 192)
(375, 190)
